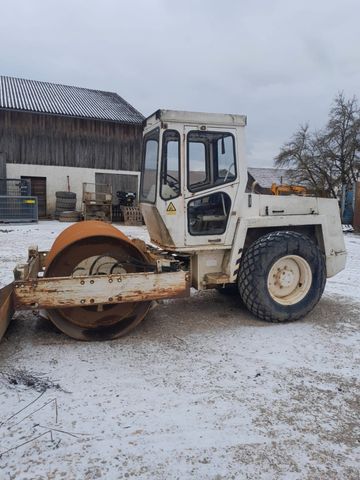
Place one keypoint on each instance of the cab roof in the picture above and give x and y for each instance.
(195, 118)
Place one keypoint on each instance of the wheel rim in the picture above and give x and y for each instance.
(289, 280)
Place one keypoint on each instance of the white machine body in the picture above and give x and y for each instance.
(194, 197)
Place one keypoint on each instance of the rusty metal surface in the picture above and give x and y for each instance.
(99, 290)
(218, 278)
(6, 308)
(80, 231)
(74, 246)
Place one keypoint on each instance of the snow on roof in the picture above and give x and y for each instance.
(267, 176)
(53, 98)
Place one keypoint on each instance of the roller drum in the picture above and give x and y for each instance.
(96, 248)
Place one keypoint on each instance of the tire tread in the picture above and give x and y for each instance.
(252, 268)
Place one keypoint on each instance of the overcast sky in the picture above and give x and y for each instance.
(280, 62)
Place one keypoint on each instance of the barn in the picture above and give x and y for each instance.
(59, 136)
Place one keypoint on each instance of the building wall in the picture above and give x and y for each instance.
(56, 179)
(40, 139)
(52, 146)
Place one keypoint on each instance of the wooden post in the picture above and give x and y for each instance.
(3, 188)
(356, 221)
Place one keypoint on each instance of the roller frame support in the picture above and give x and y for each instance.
(6, 308)
(32, 292)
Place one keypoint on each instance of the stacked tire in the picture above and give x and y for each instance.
(70, 216)
(66, 203)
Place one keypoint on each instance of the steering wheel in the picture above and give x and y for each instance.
(175, 181)
(228, 171)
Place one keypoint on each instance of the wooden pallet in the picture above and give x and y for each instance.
(132, 215)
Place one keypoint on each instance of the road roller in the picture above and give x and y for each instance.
(210, 228)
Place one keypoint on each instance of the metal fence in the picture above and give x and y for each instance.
(15, 187)
(21, 209)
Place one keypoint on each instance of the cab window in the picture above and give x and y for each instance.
(149, 167)
(208, 215)
(210, 159)
(170, 165)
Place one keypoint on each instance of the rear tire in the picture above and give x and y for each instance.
(282, 276)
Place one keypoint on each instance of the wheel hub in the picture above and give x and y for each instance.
(289, 279)
(98, 265)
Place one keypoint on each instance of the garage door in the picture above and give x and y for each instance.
(125, 183)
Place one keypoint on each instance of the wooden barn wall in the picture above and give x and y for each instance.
(64, 141)
(2, 165)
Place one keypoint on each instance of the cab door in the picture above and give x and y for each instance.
(170, 201)
(210, 183)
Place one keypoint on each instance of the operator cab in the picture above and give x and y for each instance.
(192, 170)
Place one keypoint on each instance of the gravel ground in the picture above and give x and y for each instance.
(200, 390)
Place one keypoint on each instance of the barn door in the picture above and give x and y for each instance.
(38, 189)
(118, 181)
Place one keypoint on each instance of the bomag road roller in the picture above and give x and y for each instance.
(208, 229)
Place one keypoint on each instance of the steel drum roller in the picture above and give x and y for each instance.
(96, 248)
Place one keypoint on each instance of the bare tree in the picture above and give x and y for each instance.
(330, 158)
(342, 138)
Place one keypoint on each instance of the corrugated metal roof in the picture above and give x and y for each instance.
(267, 176)
(52, 98)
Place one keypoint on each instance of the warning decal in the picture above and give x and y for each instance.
(171, 210)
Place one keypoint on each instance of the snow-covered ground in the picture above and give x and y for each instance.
(200, 390)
